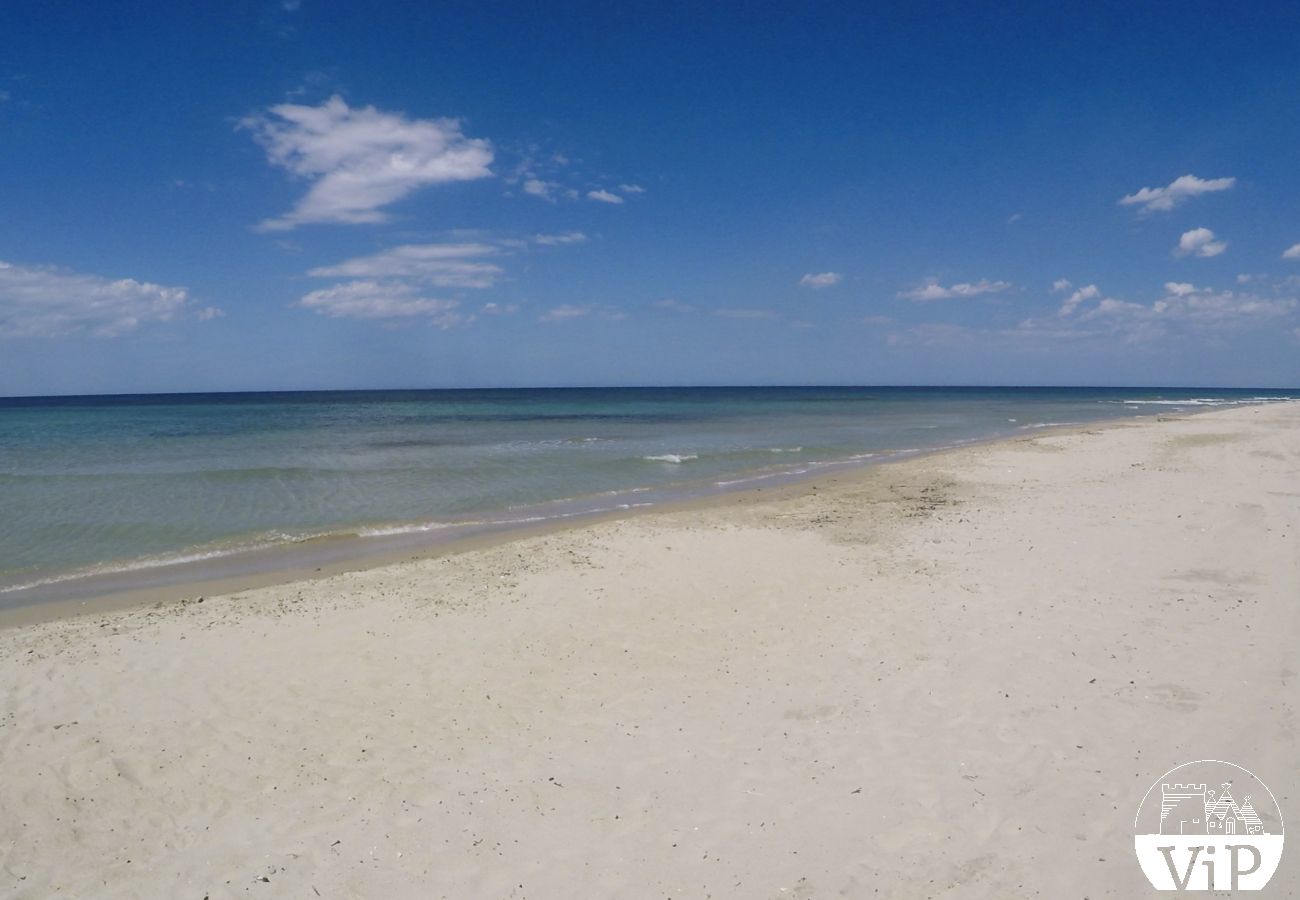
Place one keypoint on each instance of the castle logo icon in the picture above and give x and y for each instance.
(1208, 825)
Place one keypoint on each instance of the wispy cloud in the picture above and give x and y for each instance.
(1292, 252)
(1199, 242)
(631, 188)
(381, 300)
(555, 240)
(820, 280)
(1163, 199)
(393, 283)
(359, 160)
(1087, 314)
(1071, 303)
(932, 290)
(673, 304)
(41, 301)
(567, 311)
(604, 196)
(544, 190)
(733, 313)
(443, 265)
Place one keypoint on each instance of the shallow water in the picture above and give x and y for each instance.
(100, 484)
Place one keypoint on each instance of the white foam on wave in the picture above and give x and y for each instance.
(388, 530)
(674, 458)
(158, 562)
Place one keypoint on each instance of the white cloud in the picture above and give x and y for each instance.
(673, 304)
(38, 301)
(208, 313)
(381, 300)
(1205, 306)
(1199, 242)
(1181, 304)
(932, 290)
(500, 309)
(1163, 199)
(821, 280)
(553, 240)
(1182, 308)
(604, 196)
(565, 311)
(631, 188)
(745, 313)
(1071, 303)
(444, 265)
(569, 311)
(1014, 218)
(359, 160)
(1061, 284)
(545, 190)
(1292, 252)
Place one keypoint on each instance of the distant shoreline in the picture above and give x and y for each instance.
(202, 572)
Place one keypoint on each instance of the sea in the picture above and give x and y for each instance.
(100, 494)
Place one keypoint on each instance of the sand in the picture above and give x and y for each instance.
(950, 677)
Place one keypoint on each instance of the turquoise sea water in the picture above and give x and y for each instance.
(98, 484)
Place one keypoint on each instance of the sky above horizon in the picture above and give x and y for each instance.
(301, 194)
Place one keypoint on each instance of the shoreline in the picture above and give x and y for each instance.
(925, 677)
(346, 550)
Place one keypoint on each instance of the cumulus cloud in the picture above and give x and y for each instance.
(604, 196)
(554, 240)
(631, 188)
(361, 159)
(1292, 252)
(444, 265)
(932, 290)
(1207, 306)
(1163, 199)
(41, 301)
(1199, 242)
(820, 280)
(1182, 303)
(381, 300)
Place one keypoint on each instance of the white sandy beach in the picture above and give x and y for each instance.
(950, 677)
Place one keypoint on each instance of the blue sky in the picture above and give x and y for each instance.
(316, 194)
